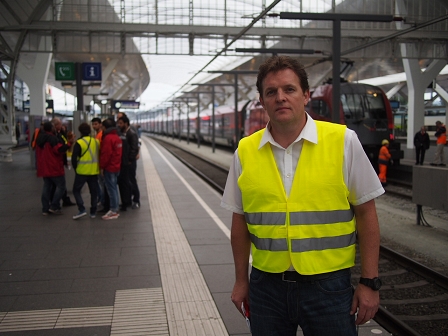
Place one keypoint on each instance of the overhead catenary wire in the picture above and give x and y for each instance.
(226, 48)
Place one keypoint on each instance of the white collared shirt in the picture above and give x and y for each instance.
(359, 176)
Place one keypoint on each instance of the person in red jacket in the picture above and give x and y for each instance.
(110, 162)
(50, 165)
(440, 134)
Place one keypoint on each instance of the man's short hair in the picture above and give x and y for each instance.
(108, 123)
(278, 63)
(56, 121)
(438, 122)
(84, 129)
(98, 120)
(48, 126)
(124, 119)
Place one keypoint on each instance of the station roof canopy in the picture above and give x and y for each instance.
(117, 30)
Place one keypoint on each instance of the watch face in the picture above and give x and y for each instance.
(377, 283)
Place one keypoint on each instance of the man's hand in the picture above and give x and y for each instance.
(366, 302)
(240, 294)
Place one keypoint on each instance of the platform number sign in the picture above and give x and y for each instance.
(91, 71)
(64, 70)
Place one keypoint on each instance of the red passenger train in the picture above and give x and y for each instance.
(364, 109)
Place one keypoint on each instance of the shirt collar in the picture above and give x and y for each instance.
(309, 133)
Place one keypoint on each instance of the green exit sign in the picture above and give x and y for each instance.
(64, 70)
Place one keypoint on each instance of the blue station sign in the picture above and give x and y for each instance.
(91, 71)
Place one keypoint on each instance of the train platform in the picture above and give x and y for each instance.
(163, 269)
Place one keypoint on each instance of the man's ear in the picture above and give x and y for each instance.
(307, 95)
(261, 101)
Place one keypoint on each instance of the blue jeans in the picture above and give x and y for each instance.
(54, 203)
(110, 182)
(133, 179)
(100, 189)
(320, 308)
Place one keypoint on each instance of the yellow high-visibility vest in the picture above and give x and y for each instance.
(313, 229)
(88, 162)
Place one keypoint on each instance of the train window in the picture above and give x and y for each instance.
(320, 107)
(360, 106)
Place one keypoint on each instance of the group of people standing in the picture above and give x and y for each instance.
(106, 161)
(421, 144)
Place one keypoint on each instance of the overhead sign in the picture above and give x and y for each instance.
(125, 104)
(26, 105)
(394, 104)
(91, 71)
(64, 70)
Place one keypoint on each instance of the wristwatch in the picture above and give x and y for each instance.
(374, 284)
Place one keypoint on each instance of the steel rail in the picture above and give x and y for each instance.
(414, 266)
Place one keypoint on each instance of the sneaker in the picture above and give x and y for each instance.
(135, 205)
(80, 214)
(442, 165)
(45, 213)
(92, 215)
(110, 215)
(433, 164)
(56, 212)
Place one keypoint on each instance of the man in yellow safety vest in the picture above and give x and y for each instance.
(85, 161)
(302, 193)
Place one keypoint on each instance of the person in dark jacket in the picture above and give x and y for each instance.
(124, 182)
(110, 162)
(50, 165)
(421, 143)
(134, 148)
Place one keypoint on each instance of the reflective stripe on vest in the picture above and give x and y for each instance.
(300, 218)
(303, 245)
(314, 229)
(88, 162)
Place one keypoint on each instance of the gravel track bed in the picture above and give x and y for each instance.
(419, 309)
(419, 292)
(431, 328)
(407, 205)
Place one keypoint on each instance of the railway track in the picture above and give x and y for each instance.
(414, 298)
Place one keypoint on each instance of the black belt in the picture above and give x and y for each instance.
(292, 276)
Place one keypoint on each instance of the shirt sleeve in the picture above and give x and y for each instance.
(361, 179)
(231, 199)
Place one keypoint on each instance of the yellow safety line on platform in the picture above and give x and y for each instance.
(189, 303)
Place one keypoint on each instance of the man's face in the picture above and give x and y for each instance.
(283, 98)
(58, 126)
(121, 125)
(96, 126)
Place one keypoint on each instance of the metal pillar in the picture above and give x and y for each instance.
(336, 56)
